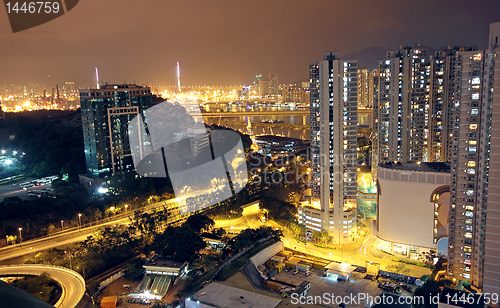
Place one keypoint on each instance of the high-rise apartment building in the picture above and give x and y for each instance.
(401, 114)
(367, 83)
(106, 113)
(474, 241)
(442, 95)
(273, 84)
(263, 87)
(333, 97)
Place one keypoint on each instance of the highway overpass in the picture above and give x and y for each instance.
(72, 284)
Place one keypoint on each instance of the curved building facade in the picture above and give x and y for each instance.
(412, 207)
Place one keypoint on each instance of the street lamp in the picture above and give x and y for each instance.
(126, 206)
(21, 234)
(62, 225)
(79, 220)
(7, 240)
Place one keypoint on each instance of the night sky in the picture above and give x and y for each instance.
(225, 42)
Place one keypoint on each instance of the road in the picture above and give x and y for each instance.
(362, 252)
(75, 235)
(71, 283)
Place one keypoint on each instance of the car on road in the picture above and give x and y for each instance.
(295, 271)
(308, 273)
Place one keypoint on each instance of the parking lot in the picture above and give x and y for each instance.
(324, 285)
(13, 189)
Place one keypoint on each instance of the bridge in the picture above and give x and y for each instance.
(304, 112)
(72, 284)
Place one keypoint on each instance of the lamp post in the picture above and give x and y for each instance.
(6, 240)
(126, 206)
(62, 225)
(21, 234)
(79, 220)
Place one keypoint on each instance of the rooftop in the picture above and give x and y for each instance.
(164, 262)
(424, 167)
(224, 296)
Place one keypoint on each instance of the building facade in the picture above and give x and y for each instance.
(412, 208)
(401, 110)
(367, 84)
(106, 113)
(442, 97)
(333, 92)
(475, 202)
(273, 84)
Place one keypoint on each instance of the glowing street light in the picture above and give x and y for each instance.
(62, 224)
(79, 220)
(126, 206)
(21, 234)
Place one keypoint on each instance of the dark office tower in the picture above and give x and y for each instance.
(442, 95)
(106, 113)
(273, 84)
(474, 241)
(401, 118)
(333, 86)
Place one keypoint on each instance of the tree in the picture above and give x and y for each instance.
(92, 287)
(180, 243)
(134, 270)
(199, 223)
(50, 228)
(429, 290)
(37, 286)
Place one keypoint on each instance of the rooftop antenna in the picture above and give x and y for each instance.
(97, 77)
(178, 77)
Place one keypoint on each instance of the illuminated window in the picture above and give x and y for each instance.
(476, 80)
(474, 111)
(471, 163)
(469, 214)
(471, 171)
(473, 126)
(475, 95)
(468, 235)
(472, 142)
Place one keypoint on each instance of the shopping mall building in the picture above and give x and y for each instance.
(412, 208)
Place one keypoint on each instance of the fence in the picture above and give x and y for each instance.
(110, 280)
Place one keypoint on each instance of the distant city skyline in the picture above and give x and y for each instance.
(227, 42)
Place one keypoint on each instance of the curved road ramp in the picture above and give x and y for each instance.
(72, 284)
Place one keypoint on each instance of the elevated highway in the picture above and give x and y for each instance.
(72, 284)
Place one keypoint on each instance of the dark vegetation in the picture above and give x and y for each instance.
(40, 287)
